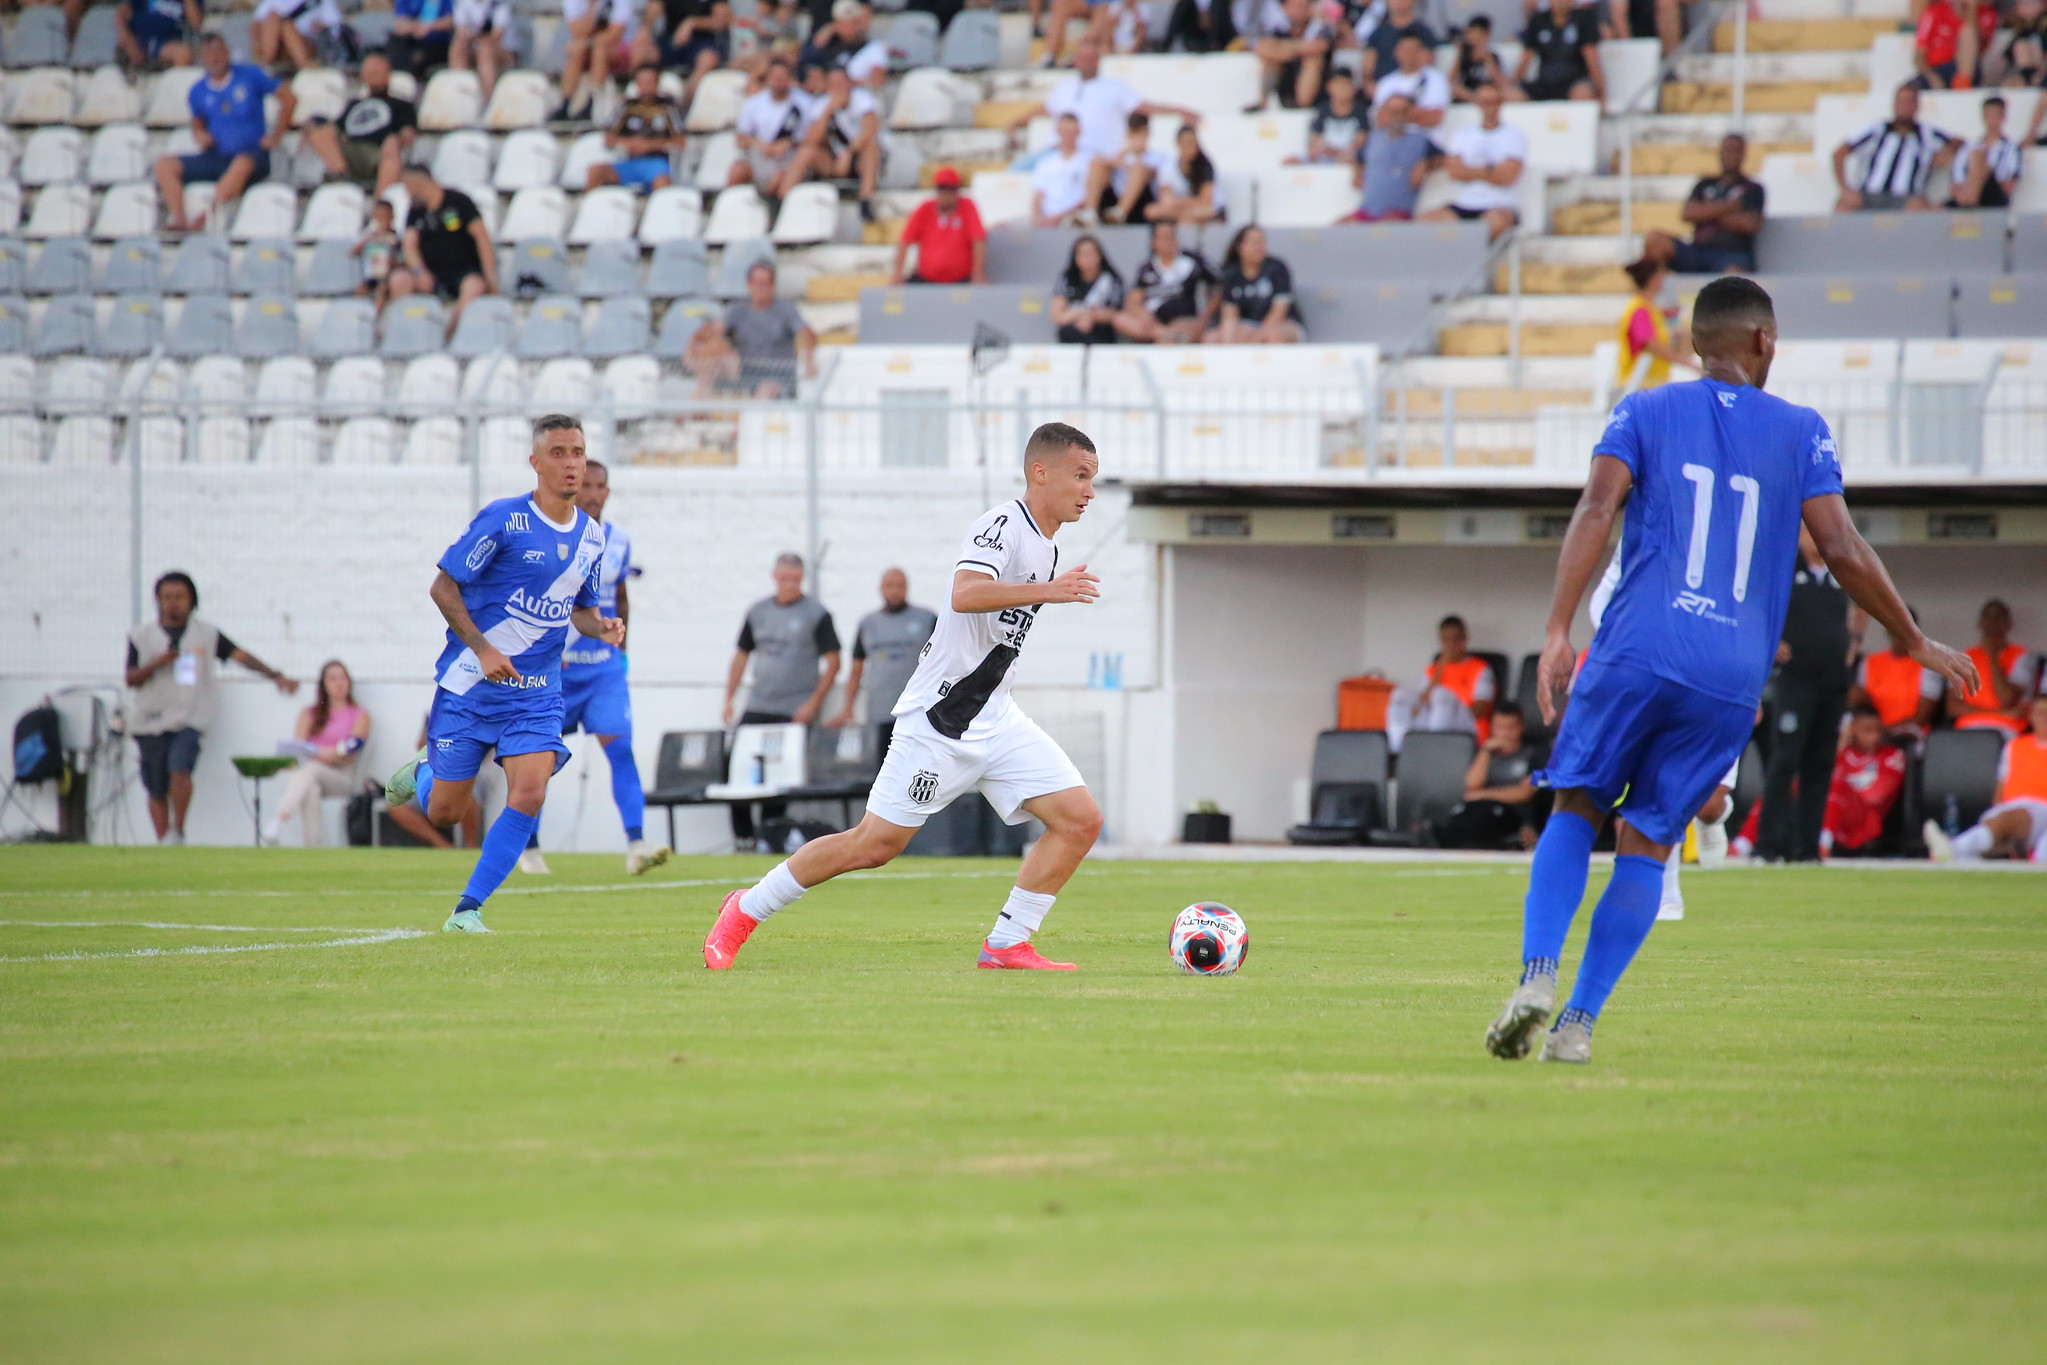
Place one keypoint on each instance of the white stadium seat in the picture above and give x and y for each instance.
(61, 211)
(286, 383)
(79, 384)
(127, 210)
(292, 442)
(321, 92)
(120, 151)
(526, 160)
(10, 206)
(1629, 65)
(521, 99)
(17, 383)
(366, 440)
(167, 106)
(434, 441)
(633, 381)
(463, 158)
(809, 214)
(1305, 196)
(336, 209)
(586, 151)
(44, 95)
(21, 439)
(737, 215)
(537, 212)
(164, 380)
(108, 97)
(199, 202)
(565, 384)
(932, 97)
(719, 95)
(83, 441)
(496, 380)
(217, 379)
(222, 439)
(355, 383)
(504, 442)
(453, 99)
(1002, 196)
(714, 163)
(1798, 185)
(604, 214)
(10, 150)
(427, 382)
(673, 214)
(52, 156)
(266, 210)
(1215, 85)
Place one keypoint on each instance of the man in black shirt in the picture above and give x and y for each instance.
(369, 142)
(1726, 213)
(447, 247)
(1815, 664)
(1502, 808)
(690, 36)
(1381, 35)
(1562, 42)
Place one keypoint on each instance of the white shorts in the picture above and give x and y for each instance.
(619, 12)
(311, 19)
(485, 16)
(2036, 811)
(925, 772)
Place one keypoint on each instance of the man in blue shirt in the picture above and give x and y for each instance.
(1715, 478)
(523, 573)
(234, 141)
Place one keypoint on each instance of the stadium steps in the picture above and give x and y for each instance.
(1481, 403)
(1799, 97)
(846, 288)
(1602, 217)
(1694, 159)
(1775, 67)
(1537, 338)
(1001, 113)
(1805, 35)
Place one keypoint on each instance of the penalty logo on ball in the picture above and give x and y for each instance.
(1208, 939)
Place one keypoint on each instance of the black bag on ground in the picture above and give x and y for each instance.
(38, 746)
(361, 813)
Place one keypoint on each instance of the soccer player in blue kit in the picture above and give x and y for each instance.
(525, 571)
(1715, 477)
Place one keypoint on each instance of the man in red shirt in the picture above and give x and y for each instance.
(1868, 775)
(1947, 41)
(952, 246)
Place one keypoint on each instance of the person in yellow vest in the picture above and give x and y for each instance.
(173, 691)
(1905, 695)
(1455, 692)
(2016, 827)
(1650, 342)
(2007, 673)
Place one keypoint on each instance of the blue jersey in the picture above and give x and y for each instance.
(1711, 531)
(233, 113)
(614, 565)
(521, 576)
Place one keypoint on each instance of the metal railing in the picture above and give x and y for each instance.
(1650, 93)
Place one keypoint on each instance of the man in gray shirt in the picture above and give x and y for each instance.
(755, 348)
(1397, 157)
(893, 640)
(788, 636)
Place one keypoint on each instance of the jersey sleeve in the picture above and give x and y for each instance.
(826, 636)
(860, 641)
(990, 545)
(586, 596)
(223, 648)
(746, 634)
(1622, 438)
(1482, 686)
(466, 560)
(1822, 466)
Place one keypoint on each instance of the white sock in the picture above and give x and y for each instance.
(1020, 917)
(1671, 893)
(771, 893)
(1971, 844)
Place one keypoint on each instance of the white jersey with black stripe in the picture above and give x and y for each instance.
(963, 676)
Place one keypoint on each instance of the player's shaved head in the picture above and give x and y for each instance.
(1734, 330)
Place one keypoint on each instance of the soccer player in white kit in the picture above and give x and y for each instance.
(957, 728)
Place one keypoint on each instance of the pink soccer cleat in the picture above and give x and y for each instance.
(733, 928)
(1021, 957)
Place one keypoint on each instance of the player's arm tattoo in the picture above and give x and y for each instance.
(447, 595)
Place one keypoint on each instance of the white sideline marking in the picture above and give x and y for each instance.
(352, 938)
(441, 891)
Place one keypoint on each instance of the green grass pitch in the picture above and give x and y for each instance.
(1815, 1128)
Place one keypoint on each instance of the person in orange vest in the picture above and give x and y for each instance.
(2016, 827)
(1455, 693)
(1999, 703)
(1905, 695)
(1868, 775)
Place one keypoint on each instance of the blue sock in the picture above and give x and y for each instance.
(1556, 883)
(625, 787)
(1622, 919)
(502, 845)
(423, 785)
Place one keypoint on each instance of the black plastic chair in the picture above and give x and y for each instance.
(1960, 765)
(1432, 768)
(1347, 796)
(690, 761)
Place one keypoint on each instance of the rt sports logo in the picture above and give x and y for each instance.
(1703, 607)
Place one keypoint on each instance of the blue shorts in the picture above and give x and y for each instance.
(1663, 744)
(597, 699)
(639, 172)
(461, 730)
(212, 165)
(176, 751)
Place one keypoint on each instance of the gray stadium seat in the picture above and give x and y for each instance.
(13, 324)
(1347, 788)
(13, 265)
(205, 327)
(1961, 764)
(1989, 307)
(96, 44)
(729, 280)
(134, 266)
(348, 327)
(680, 323)
(1432, 768)
(1958, 241)
(554, 327)
(621, 328)
(63, 266)
(39, 39)
(912, 39)
(946, 315)
(200, 267)
(235, 28)
(1857, 307)
(1396, 317)
(269, 265)
(2028, 242)
(973, 41)
(539, 267)
(418, 325)
(332, 271)
(485, 328)
(1036, 256)
(1448, 257)
(679, 270)
(269, 327)
(134, 327)
(66, 327)
(611, 269)
(689, 761)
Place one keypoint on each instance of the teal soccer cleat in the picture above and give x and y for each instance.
(399, 790)
(465, 922)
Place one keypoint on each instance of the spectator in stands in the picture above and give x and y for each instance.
(1124, 26)
(769, 130)
(1905, 695)
(2016, 827)
(329, 735)
(448, 251)
(483, 39)
(1059, 181)
(596, 28)
(1173, 295)
(1337, 132)
(1946, 42)
(370, 141)
(1810, 691)
(1257, 295)
(378, 249)
(757, 346)
(2024, 60)
(155, 33)
(1562, 44)
(422, 32)
(1185, 189)
(1726, 213)
(1397, 159)
(1649, 343)
(690, 36)
(1502, 807)
(1293, 51)
(1486, 162)
(295, 31)
(952, 246)
(1662, 20)
(1417, 80)
(227, 122)
(1200, 26)
(1087, 298)
(1477, 63)
(847, 43)
(844, 139)
(1897, 156)
(173, 694)
(2007, 672)
(886, 647)
(1123, 190)
(646, 135)
(1379, 29)
(1868, 775)
(1456, 691)
(1986, 170)
(777, 31)
(794, 648)
(1103, 104)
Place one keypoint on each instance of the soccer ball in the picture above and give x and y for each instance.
(1208, 940)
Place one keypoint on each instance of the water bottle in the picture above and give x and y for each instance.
(1951, 817)
(1094, 671)
(760, 770)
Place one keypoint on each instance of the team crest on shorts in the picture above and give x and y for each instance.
(923, 787)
